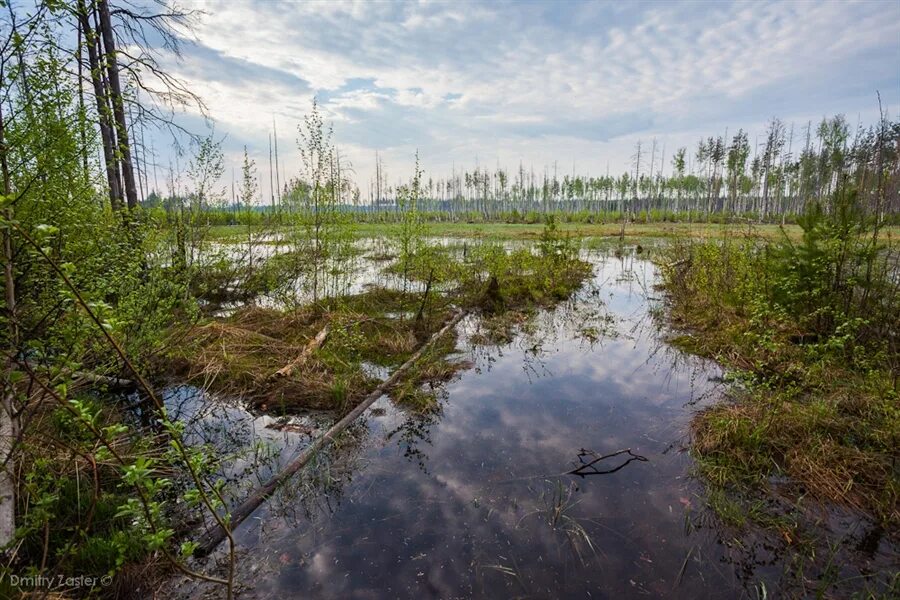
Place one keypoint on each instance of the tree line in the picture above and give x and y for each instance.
(767, 180)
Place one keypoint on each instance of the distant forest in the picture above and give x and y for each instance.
(772, 180)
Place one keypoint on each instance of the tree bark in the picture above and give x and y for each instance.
(82, 126)
(8, 417)
(118, 104)
(313, 345)
(103, 112)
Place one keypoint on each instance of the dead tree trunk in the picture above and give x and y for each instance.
(118, 104)
(82, 127)
(103, 111)
(313, 345)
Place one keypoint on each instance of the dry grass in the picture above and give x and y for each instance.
(745, 443)
(239, 355)
(832, 428)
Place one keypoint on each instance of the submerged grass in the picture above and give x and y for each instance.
(579, 230)
(239, 355)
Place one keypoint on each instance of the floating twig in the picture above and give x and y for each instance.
(589, 469)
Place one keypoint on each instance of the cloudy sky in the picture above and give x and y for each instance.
(573, 83)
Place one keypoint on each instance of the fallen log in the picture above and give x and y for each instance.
(313, 345)
(212, 538)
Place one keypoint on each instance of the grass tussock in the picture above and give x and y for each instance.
(805, 328)
(521, 280)
(240, 355)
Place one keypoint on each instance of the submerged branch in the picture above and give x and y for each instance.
(589, 469)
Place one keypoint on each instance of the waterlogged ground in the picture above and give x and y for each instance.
(477, 499)
(363, 269)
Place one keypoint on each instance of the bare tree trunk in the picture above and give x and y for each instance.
(8, 418)
(271, 175)
(277, 167)
(118, 104)
(138, 149)
(82, 126)
(145, 187)
(103, 116)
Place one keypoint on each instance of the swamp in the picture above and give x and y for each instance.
(234, 369)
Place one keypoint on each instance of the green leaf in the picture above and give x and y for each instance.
(188, 548)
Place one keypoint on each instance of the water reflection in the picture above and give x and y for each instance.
(477, 498)
(365, 266)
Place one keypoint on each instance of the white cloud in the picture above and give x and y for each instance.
(532, 81)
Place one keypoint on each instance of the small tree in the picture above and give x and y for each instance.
(328, 232)
(248, 192)
(409, 237)
(204, 171)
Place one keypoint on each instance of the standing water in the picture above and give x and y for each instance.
(478, 498)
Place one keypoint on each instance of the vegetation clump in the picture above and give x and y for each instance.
(241, 354)
(809, 331)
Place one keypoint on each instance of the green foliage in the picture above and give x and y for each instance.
(497, 279)
(93, 289)
(555, 247)
(409, 241)
(806, 327)
(319, 231)
(84, 516)
(836, 282)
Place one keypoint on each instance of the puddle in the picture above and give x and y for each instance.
(477, 499)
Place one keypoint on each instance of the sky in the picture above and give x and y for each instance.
(571, 86)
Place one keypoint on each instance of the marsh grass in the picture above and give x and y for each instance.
(801, 325)
(556, 507)
(238, 355)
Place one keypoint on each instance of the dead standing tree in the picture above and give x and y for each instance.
(124, 46)
(118, 104)
(104, 116)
